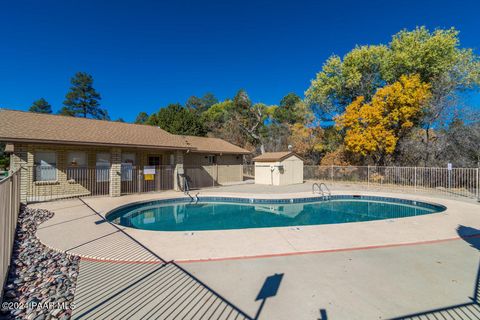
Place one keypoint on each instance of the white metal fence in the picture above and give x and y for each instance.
(9, 208)
(463, 182)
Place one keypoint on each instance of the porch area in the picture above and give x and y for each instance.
(51, 172)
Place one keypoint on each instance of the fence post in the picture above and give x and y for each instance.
(11, 207)
(368, 176)
(139, 181)
(415, 180)
(478, 185)
(331, 173)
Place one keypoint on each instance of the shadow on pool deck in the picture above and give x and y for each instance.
(470, 310)
(156, 289)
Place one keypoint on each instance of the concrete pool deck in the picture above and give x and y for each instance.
(437, 280)
(78, 228)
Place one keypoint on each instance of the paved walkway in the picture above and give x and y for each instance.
(434, 281)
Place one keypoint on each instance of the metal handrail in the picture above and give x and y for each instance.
(326, 188)
(321, 190)
(197, 198)
(313, 188)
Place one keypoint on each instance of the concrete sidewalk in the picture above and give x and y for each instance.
(369, 284)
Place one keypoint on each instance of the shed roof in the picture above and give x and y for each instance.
(21, 126)
(275, 156)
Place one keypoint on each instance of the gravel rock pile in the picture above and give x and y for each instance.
(41, 281)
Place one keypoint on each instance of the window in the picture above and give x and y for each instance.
(128, 163)
(46, 166)
(103, 167)
(212, 159)
(77, 159)
(128, 158)
(77, 166)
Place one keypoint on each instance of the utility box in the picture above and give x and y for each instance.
(278, 168)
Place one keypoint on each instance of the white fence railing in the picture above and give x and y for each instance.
(9, 208)
(463, 182)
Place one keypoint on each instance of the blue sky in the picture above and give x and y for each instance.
(146, 54)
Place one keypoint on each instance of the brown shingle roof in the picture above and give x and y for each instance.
(46, 128)
(37, 127)
(275, 156)
(213, 145)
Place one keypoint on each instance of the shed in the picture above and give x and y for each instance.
(278, 168)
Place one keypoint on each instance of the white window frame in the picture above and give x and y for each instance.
(45, 171)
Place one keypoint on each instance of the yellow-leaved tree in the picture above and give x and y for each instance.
(306, 140)
(373, 129)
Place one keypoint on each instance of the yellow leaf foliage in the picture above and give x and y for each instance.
(305, 139)
(337, 157)
(375, 127)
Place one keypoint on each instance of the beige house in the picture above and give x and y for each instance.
(63, 156)
(278, 168)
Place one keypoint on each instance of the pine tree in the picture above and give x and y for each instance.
(142, 118)
(41, 106)
(83, 99)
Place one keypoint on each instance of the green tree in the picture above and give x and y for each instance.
(435, 56)
(41, 106)
(141, 118)
(201, 104)
(239, 121)
(250, 118)
(216, 116)
(178, 120)
(65, 111)
(83, 100)
(340, 82)
(120, 120)
(291, 110)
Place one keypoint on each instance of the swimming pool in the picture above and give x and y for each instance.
(222, 213)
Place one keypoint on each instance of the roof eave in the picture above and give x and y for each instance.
(103, 144)
(220, 152)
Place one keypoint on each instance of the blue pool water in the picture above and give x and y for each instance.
(215, 213)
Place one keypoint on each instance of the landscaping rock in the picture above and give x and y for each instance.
(38, 275)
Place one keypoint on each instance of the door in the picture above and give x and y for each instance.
(155, 184)
(154, 160)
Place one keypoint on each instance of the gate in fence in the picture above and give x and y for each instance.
(146, 179)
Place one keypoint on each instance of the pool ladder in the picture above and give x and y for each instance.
(322, 188)
(196, 199)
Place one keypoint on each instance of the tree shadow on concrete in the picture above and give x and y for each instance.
(469, 310)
